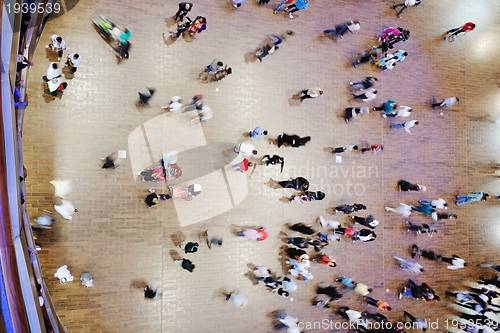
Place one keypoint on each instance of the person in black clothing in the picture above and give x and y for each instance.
(275, 159)
(368, 221)
(368, 82)
(443, 216)
(308, 196)
(109, 163)
(388, 43)
(364, 235)
(294, 253)
(494, 280)
(302, 228)
(300, 184)
(403, 185)
(352, 112)
(488, 292)
(151, 199)
(150, 293)
(121, 50)
(330, 291)
(299, 242)
(184, 8)
(347, 209)
(22, 63)
(292, 140)
(417, 252)
(186, 264)
(423, 291)
(189, 247)
(318, 244)
(378, 317)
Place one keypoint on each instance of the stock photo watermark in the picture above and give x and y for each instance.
(334, 180)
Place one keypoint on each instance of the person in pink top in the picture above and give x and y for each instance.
(389, 33)
(257, 235)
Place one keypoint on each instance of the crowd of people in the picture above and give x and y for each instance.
(297, 260)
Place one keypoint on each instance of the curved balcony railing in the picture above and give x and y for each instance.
(21, 284)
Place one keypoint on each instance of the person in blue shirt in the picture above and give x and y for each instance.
(298, 5)
(258, 131)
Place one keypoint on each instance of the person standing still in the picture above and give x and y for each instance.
(57, 45)
(53, 72)
(184, 9)
(73, 62)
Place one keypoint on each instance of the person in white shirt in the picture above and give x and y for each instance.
(368, 95)
(246, 149)
(238, 300)
(53, 72)
(406, 4)
(403, 112)
(58, 45)
(288, 321)
(73, 62)
(331, 224)
(438, 203)
(55, 85)
(455, 261)
(407, 125)
(450, 101)
(353, 316)
(344, 149)
(402, 209)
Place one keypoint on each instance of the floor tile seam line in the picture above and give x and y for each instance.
(150, 152)
(87, 16)
(230, 192)
(382, 132)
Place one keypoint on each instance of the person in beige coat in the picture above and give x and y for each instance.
(310, 93)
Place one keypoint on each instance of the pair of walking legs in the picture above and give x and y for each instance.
(399, 5)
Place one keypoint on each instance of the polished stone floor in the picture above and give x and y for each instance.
(123, 244)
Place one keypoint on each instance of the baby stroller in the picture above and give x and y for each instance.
(186, 193)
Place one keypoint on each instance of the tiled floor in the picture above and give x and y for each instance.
(122, 243)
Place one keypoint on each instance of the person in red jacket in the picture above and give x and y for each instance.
(243, 165)
(453, 33)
